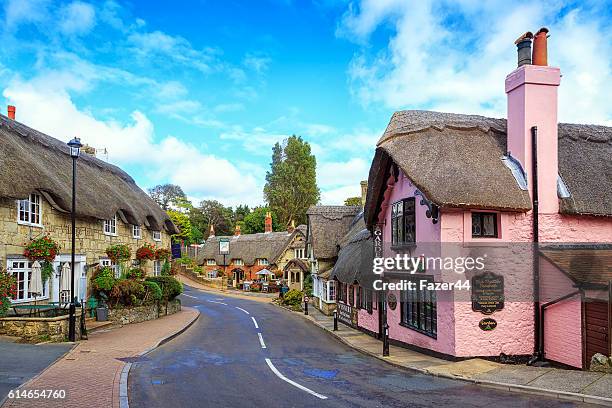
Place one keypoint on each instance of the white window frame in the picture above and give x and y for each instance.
(112, 265)
(263, 261)
(331, 291)
(29, 211)
(300, 253)
(110, 226)
(211, 262)
(157, 267)
(238, 262)
(136, 232)
(14, 268)
(156, 235)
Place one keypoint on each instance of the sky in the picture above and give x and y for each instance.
(196, 93)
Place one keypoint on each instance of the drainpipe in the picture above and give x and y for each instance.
(538, 327)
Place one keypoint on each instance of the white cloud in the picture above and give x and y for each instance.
(24, 11)
(428, 65)
(332, 174)
(77, 18)
(51, 110)
(257, 63)
(337, 196)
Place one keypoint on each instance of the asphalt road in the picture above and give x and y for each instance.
(220, 362)
(20, 362)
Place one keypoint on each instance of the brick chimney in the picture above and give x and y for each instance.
(291, 227)
(364, 192)
(237, 231)
(11, 112)
(532, 101)
(212, 231)
(268, 223)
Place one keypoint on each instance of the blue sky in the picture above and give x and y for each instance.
(197, 92)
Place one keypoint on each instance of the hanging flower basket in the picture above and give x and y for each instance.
(118, 252)
(41, 249)
(162, 253)
(145, 252)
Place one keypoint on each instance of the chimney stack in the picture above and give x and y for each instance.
(11, 112)
(237, 231)
(291, 227)
(532, 101)
(212, 231)
(523, 48)
(364, 192)
(268, 223)
(540, 48)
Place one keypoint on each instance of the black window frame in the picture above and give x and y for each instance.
(479, 217)
(351, 295)
(403, 217)
(419, 308)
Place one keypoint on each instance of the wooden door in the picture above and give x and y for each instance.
(597, 333)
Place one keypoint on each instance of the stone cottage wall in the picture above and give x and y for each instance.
(139, 314)
(90, 238)
(38, 329)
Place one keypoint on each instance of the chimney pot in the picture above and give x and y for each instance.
(237, 231)
(523, 48)
(11, 112)
(268, 222)
(291, 227)
(364, 192)
(540, 51)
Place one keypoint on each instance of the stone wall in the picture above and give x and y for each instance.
(213, 283)
(139, 314)
(38, 329)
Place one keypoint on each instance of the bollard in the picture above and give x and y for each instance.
(335, 320)
(385, 340)
(306, 306)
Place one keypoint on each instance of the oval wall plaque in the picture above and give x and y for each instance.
(392, 301)
(487, 324)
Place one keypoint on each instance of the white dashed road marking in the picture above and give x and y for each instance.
(301, 387)
(263, 345)
(255, 322)
(193, 297)
(239, 308)
(221, 303)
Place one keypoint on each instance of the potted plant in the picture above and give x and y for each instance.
(44, 250)
(146, 253)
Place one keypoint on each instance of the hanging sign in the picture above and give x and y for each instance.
(392, 301)
(487, 293)
(487, 324)
(378, 241)
(224, 246)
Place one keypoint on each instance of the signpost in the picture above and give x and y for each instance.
(224, 249)
(487, 293)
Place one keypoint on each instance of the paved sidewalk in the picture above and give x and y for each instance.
(258, 296)
(90, 373)
(573, 385)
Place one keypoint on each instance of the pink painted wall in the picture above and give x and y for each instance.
(368, 321)
(562, 321)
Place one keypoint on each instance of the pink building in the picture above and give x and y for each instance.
(445, 185)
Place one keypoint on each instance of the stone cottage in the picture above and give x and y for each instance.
(35, 201)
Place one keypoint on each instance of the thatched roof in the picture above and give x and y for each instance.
(356, 256)
(31, 160)
(250, 247)
(586, 266)
(456, 161)
(327, 226)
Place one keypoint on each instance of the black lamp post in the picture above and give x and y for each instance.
(75, 149)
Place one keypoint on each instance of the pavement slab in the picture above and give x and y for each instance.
(600, 387)
(520, 375)
(566, 380)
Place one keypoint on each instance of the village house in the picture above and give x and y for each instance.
(326, 226)
(453, 185)
(282, 253)
(35, 201)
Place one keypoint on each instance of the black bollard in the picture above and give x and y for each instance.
(335, 320)
(306, 306)
(385, 340)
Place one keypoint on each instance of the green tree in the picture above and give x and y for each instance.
(212, 212)
(353, 201)
(169, 196)
(183, 223)
(291, 185)
(255, 221)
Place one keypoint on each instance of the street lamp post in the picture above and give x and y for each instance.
(75, 149)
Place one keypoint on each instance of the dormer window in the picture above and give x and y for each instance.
(136, 232)
(156, 235)
(263, 262)
(110, 226)
(29, 211)
(211, 262)
(238, 262)
(300, 253)
(484, 225)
